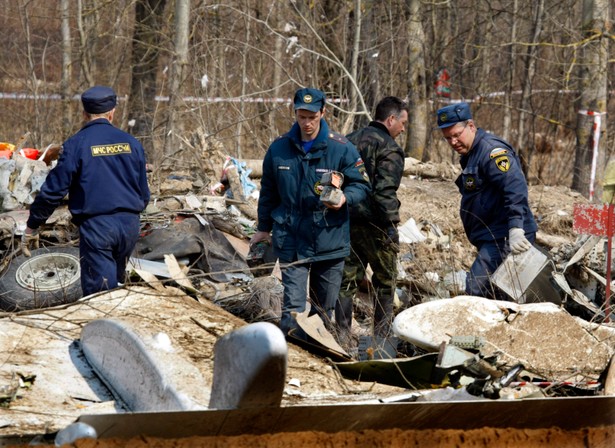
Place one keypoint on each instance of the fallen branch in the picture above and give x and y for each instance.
(412, 167)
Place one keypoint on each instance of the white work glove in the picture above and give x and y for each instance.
(517, 241)
(29, 241)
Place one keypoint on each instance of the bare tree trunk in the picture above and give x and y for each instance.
(592, 101)
(483, 37)
(511, 69)
(371, 85)
(178, 72)
(354, 66)
(417, 90)
(277, 79)
(244, 81)
(31, 81)
(526, 90)
(87, 18)
(65, 83)
(145, 55)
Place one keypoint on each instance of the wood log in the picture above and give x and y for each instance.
(412, 167)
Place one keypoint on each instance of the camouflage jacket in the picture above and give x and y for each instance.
(384, 163)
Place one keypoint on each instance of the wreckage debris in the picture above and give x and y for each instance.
(187, 242)
(249, 368)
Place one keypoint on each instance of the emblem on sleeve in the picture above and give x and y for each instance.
(496, 152)
(363, 172)
(502, 163)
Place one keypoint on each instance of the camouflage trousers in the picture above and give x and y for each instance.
(368, 247)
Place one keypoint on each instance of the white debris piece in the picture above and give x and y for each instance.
(161, 341)
(28, 176)
(542, 336)
(410, 233)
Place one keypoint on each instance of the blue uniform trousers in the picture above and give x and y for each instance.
(490, 256)
(325, 278)
(105, 244)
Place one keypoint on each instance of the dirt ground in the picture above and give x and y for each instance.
(485, 437)
(432, 201)
(436, 201)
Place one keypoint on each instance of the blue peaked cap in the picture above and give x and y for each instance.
(451, 115)
(309, 99)
(98, 99)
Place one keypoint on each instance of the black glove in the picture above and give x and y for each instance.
(392, 236)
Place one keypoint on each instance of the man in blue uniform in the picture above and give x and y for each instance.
(310, 237)
(494, 210)
(102, 168)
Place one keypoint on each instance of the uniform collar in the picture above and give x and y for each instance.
(480, 134)
(97, 121)
(319, 141)
(378, 125)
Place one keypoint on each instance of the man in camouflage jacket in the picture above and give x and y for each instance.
(373, 223)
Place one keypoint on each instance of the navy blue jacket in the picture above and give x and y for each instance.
(102, 168)
(494, 196)
(289, 202)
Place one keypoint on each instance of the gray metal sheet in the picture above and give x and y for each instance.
(566, 413)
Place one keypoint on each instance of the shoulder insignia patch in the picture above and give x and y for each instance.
(503, 163)
(496, 152)
(338, 137)
(363, 172)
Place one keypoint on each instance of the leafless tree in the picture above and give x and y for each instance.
(66, 67)
(146, 44)
(592, 101)
(525, 67)
(179, 69)
(417, 89)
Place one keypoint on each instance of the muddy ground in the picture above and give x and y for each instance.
(487, 437)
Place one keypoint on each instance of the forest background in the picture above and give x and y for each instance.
(198, 78)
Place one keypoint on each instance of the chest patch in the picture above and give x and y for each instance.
(469, 183)
(503, 163)
(110, 150)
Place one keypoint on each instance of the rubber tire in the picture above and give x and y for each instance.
(15, 297)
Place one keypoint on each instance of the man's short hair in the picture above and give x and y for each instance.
(390, 105)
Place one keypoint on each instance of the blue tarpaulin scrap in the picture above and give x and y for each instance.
(244, 172)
